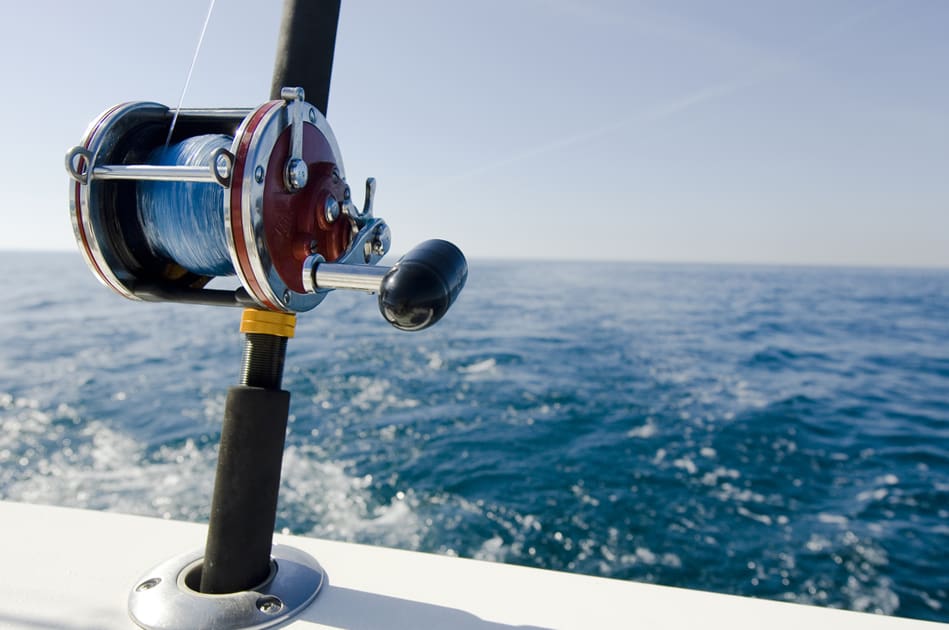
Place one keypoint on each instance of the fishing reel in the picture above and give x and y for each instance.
(257, 193)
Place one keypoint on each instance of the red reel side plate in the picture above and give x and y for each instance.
(272, 230)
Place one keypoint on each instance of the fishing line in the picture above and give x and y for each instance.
(184, 221)
(194, 61)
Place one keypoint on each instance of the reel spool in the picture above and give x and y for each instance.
(261, 194)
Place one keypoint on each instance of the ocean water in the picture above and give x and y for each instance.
(774, 432)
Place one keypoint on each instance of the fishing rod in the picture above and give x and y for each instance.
(163, 202)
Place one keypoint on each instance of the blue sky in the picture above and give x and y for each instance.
(771, 132)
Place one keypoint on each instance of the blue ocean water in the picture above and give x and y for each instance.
(775, 432)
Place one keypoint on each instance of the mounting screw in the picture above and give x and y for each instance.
(259, 174)
(297, 173)
(312, 115)
(286, 296)
(269, 604)
(148, 584)
(331, 209)
(381, 240)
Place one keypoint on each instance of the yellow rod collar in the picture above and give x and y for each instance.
(268, 323)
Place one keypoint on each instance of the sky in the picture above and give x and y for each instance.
(795, 132)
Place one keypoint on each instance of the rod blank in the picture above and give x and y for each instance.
(305, 49)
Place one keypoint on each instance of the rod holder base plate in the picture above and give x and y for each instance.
(163, 598)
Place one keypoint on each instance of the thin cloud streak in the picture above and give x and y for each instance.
(752, 76)
(653, 114)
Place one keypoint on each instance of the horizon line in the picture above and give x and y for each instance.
(636, 261)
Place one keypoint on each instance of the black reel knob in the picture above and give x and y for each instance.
(418, 290)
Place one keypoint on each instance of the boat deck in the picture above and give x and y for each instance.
(72, 569)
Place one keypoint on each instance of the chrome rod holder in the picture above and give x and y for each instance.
(165, 597)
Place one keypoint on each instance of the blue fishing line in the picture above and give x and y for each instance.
(184, 221)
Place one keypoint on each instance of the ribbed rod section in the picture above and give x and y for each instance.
(263, 360)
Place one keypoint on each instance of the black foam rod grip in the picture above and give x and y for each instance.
(419, 288)
(244, 505)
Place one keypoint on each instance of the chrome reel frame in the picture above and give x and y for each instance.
(103, 210)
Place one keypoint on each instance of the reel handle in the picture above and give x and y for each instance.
(418, 290)
(414, 293)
